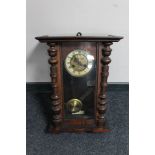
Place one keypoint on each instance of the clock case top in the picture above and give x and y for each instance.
(55, 43)
(108, 38)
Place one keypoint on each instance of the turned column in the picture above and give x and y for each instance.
(104, 70)
(54, 62)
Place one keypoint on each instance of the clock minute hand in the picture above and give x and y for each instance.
(78, 62)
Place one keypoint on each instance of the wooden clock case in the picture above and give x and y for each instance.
(59, 46)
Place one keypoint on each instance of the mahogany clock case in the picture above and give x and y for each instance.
(90, 89)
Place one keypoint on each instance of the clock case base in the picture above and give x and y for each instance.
(80, 126)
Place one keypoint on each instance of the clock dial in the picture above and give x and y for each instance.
(79, 63)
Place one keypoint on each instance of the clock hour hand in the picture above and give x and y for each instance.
(79, 63)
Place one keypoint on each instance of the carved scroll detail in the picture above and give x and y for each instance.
(102, 104)
(56, 102)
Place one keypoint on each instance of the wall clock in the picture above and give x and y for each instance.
(79, 71)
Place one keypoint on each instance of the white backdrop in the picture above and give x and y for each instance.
(67, 17)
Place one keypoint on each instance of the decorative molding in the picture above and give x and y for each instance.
(102, 104)
(56, 101)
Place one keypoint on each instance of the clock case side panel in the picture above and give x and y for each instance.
(61, 81)
(98, 78)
